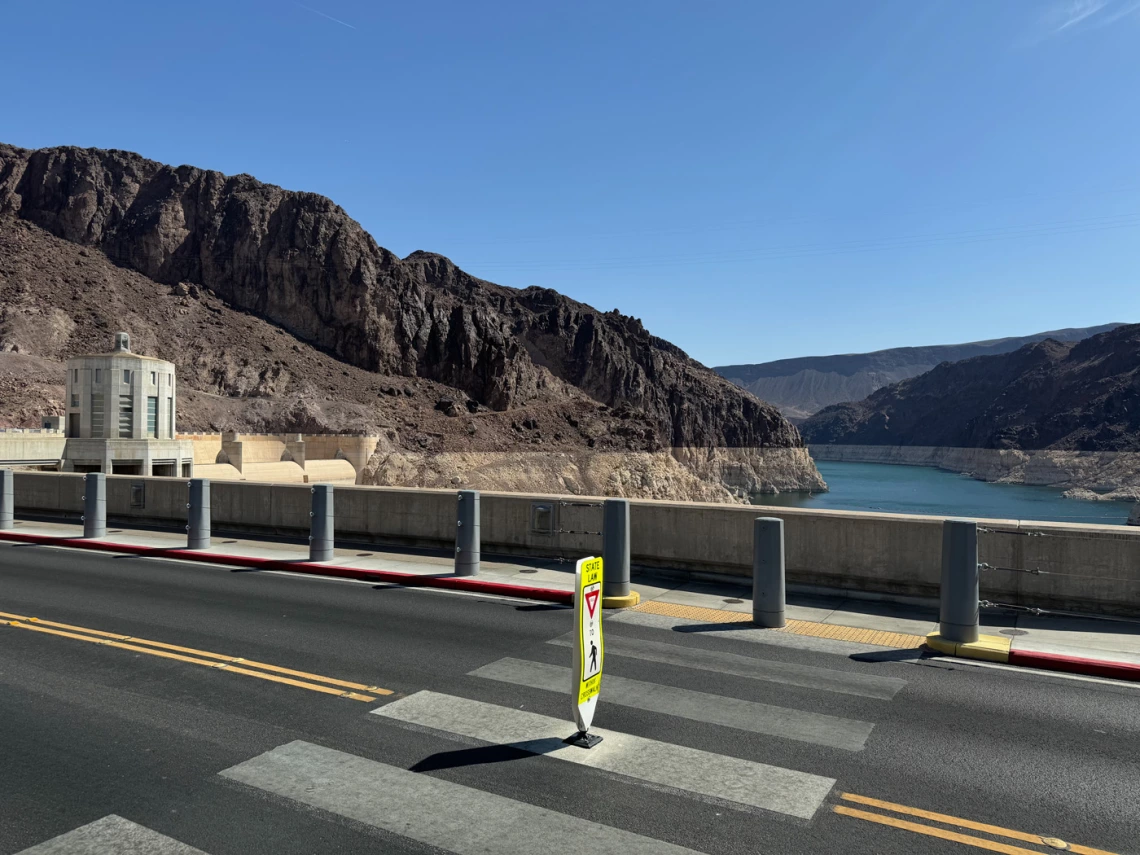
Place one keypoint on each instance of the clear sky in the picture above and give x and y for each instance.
(754, 180)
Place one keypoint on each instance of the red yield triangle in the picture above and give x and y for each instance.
(592, 601)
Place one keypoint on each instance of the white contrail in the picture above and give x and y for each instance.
(1078, 11)
(323, 15)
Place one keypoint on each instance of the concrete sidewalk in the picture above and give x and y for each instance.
(854, 618)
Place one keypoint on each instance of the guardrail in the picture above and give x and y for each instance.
(1062, 566)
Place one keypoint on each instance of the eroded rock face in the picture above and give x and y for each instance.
(300, 261)
(803, 386)
(1050, 395)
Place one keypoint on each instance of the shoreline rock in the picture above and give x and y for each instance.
(695, 475)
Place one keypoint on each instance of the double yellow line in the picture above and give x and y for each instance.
(219, 661)
(1054, 844)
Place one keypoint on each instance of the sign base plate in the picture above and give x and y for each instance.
(583, 739)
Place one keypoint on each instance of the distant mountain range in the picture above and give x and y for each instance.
(805, 385)
(1082, 396)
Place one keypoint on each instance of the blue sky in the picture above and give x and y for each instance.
(753, 180)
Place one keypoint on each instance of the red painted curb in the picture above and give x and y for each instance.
(411, 580)
(1075, 665)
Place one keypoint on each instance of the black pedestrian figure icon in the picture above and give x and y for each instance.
(593, 656)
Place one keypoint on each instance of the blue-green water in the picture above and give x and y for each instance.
(893, 488)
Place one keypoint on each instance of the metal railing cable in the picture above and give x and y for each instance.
(1038, 611)
(1037, 571)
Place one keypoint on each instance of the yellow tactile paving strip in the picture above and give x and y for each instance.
(878, 637)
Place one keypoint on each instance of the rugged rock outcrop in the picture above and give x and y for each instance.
(282, 312)
(298, 260)
(1082, 396)
(803, 386)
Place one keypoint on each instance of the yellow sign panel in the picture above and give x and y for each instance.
(591, 650)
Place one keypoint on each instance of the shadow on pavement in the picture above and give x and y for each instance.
(907, 655)
(486, 754)
(715, 627)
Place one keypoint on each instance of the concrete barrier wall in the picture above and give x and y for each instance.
(31, 447)
(1052, 565)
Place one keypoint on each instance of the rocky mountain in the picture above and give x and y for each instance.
(282, 313)
(1078, 396)
(805, 385)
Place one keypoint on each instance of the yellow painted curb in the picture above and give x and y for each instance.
(990, 648)
(940, 645)
(628, 601)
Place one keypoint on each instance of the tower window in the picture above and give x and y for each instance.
(97, 414)
(126, 417)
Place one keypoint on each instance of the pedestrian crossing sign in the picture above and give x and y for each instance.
(589, 651)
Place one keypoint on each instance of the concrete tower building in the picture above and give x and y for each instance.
(120, 415)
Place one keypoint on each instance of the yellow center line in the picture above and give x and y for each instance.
(931, 831)
(946, 819)
(200, 657)
(277, 669)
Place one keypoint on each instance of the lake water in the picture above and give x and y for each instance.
(892, 488)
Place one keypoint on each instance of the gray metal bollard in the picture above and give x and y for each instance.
(95, 505)
(7, 498)
(198, 514)
(768, 572)
(958, 616)
(615, 548)
(323, 524)
(467, 533)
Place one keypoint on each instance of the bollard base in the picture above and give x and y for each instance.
(769, 620)
(989, 648)
(630, 600)
(582, 739)
(959, 633)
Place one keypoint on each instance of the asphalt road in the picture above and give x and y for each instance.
(715, 741)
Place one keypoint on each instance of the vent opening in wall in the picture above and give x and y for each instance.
(542, 518)
(138, 495)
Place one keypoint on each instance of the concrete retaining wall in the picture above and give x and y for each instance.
(37, 447)
(1080, 567)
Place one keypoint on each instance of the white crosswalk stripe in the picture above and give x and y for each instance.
(806, 676)
(799, 725)
(450, 816)
(659, 763)
(464, 820)
(112, 834)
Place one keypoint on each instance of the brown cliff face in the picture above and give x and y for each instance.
(299, 261)
(1050, 395)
